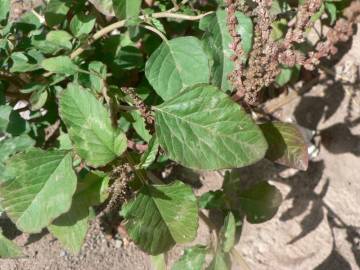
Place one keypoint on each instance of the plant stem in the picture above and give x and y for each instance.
(108, 29)
(154, 30)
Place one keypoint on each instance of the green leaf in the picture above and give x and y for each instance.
(11, 146)
(104, 6)
(71, 227)
(218, 41)
(150, 154)
(221, 261)
(90, 127)
(38, 188)
(279, 29)
(11, 122)
(227, 234)
(140, 126)
(161, 216)
(60, 64)
(212, 200)
(56, 11)
(4, 9)
(98, 75)
(193, 259)
(176, 64)
(287, 145)
(158, 262)
(202, 128)
(7, 248)
(125, 9)
(287, 74)
(38, 100)
(332, 11)
(128, 58)
(246, 32)
(59, 39)
(81, 24)
(21, 63)
(260, 202)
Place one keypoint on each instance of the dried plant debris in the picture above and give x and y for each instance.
(268, 56)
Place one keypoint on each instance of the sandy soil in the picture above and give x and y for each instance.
(317, 226)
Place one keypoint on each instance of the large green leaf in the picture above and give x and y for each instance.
(7, 248)
(126, 8)
(202, 128)
(193, 259)
(71, 227)
(260, 202)
(287, 145)
(90, 127)
(38, 188)
(161, 216)
(176, 64)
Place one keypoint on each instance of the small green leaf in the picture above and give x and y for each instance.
(7, 248)
(202, 128)
(287, 145)
(217, 41)
(21, 63)
(11, 146)
(246, 31)
(260, 202)
(161, 216)
(193, 259)
(158, 262)
(4, 9)
(56, 11)
(59, 39)
(11, 122)
(287, 74)
(38, 100)
(149, 156)
(140, 126)
(104, 6)
(227, 234)
(279, 29)
(332, 11)
(221, 261)
(38, 188)
(125, 9)
(98, 75)
(71, 227)
(212, 200)
(90, 127)
(81, 24)
(60, 64)
(176, 64)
